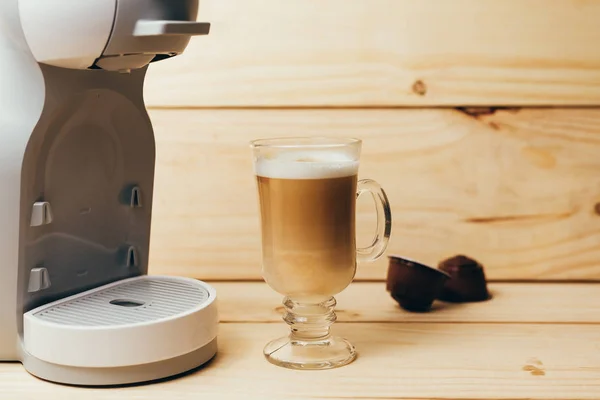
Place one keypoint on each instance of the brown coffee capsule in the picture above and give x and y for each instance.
(467, 281)
(412, 284)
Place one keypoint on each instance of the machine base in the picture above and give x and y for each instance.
(119, 375)
(134, 330)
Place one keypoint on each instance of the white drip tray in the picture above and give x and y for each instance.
(135, 321)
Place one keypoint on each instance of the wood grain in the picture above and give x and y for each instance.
(540, 303)
(516, 189)
(386, 53)
(396, 361)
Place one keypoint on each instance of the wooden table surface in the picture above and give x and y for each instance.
(531, 341)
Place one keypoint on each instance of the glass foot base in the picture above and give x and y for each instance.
(326, 353)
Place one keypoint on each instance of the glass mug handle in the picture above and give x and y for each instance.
(384, 221)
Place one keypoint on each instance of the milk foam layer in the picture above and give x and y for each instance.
(306, 165)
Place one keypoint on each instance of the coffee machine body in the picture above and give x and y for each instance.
(76, 182)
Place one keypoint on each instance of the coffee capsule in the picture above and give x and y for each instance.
(414, 285)
(467, 280)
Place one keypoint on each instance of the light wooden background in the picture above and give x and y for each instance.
(419, 81)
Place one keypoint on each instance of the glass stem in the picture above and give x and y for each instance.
(309, 321)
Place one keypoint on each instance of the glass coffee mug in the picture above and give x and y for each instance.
(307, 191)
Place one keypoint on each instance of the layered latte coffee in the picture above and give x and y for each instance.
(308, 202)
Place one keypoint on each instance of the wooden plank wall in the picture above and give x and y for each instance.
(477, 117)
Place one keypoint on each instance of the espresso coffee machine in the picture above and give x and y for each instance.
(76, 181)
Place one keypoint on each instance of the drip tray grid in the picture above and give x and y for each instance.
(131, 302)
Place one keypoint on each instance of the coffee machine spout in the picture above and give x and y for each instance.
(145, 28)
